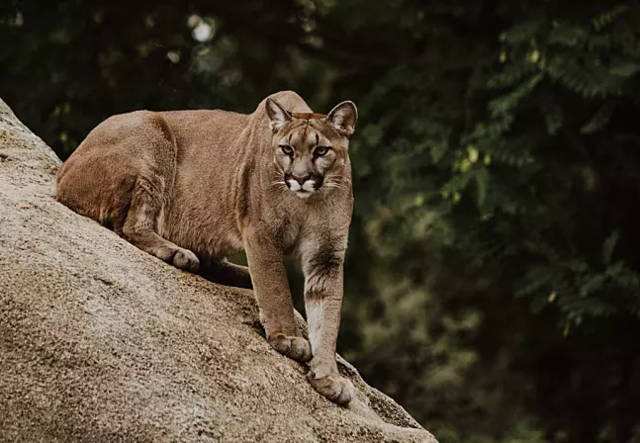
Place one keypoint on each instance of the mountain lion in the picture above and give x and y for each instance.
(190, 187)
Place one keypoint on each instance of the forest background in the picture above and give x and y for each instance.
(493, 275)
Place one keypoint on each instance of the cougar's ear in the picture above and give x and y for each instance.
(277, 114)
(343, 117)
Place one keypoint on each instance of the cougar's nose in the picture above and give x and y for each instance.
(301, 180)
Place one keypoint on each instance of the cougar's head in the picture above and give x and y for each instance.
(310, 150)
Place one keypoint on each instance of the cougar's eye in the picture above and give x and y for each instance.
(288, 150)
(321, 150)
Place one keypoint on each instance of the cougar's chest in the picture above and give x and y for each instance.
(288, 234)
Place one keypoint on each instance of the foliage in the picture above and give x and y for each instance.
(493, 281)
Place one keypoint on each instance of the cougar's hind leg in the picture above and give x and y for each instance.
(153, 187)
(140, 226)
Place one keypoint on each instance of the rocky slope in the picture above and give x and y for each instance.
(100, 341)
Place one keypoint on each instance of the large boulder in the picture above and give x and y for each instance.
(101, 341)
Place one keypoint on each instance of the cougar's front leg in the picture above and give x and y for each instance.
(269, 278)
(323, 269)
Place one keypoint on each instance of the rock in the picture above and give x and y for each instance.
(101, 341)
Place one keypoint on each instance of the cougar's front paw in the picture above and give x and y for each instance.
(335, 387)
(296, 348)
(185, 259)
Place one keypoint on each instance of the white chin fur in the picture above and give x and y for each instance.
(294, 185)
(309, 185)
(303, 194)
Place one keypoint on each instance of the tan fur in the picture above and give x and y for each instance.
(191, 187)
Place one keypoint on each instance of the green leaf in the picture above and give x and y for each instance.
(625, 69)
(609, 245)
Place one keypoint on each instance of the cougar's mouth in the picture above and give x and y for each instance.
(302, 188)
(304, 194)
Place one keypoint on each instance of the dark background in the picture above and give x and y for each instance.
(493, 283)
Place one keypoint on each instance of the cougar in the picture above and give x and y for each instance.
(192, 187)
